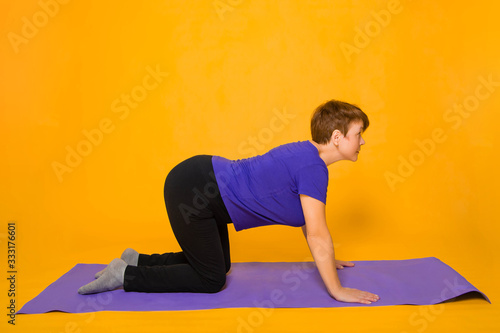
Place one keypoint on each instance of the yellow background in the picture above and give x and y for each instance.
(232, 66)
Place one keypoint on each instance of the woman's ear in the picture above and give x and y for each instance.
(336, 137)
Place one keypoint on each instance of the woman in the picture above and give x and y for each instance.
(286, 185)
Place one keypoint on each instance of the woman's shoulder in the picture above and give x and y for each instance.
(298, 154)
(295, 147)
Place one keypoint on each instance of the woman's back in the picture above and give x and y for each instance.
(265, 189)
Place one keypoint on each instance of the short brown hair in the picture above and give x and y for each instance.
(334, 115)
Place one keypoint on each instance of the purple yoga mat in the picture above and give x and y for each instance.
(268, 285)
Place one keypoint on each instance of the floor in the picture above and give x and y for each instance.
(465, 314)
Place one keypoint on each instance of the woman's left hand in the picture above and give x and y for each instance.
(341, 264)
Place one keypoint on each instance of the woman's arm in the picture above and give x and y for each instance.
(340, 264)
(321, 246)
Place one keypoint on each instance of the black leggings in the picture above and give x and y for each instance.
(199, 220)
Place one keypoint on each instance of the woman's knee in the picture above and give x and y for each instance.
(216, 284)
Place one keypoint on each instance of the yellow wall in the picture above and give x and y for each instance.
(425, 183)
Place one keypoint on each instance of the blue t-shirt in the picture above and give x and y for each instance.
(264, 189)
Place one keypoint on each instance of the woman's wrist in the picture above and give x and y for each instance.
(334, 290)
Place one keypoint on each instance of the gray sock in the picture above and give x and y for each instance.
(130, 256)
(111, 279)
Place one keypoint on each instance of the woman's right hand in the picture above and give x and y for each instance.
(351, 295)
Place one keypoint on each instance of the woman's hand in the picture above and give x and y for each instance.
(351, 295)
(340, 264)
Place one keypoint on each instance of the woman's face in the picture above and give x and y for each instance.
(350, 144)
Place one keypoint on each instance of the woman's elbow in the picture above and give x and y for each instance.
(319, 236)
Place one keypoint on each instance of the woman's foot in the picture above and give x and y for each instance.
(111, 279)
(130, 256)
